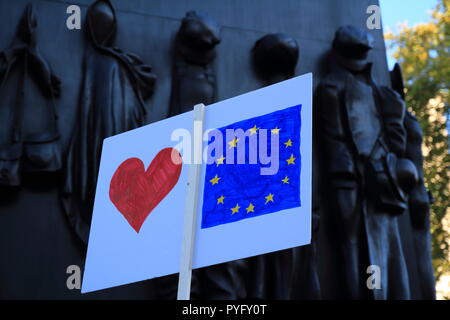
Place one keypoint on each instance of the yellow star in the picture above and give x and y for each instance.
(253, 130)
(288, 143)
(233, 143)
(269, 198)
(250, 208)
(214, 180)
(220, 160)
(275, 131)
(286, 180)
(291, 160)
(220, 200)
(235, 209)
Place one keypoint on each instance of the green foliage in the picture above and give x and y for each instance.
(423, 52)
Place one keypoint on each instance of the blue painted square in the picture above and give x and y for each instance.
(234, 192)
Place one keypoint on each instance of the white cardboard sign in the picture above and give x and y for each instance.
(137, 223)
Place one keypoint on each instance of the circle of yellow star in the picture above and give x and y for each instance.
(250, 208)
(288, 143)
(269, 198)
(233, 143)
(220, 199)
(291, 160)
(253, 130)
(235, 209)
(220, 160)
(275, 131)
(286, 180)
(215, 180)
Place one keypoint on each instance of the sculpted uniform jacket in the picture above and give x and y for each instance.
(336, 145)
(360, 123)
(361, 133)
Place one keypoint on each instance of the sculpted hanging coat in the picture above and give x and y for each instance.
(114, 87)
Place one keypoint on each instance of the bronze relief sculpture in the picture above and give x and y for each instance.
(29, 135)
(364, 177)
(419, 199)
(193, 77)
(367, 150)
(114, 86)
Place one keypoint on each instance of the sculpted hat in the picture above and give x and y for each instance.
(352, 42)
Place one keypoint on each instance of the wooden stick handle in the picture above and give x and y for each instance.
(187, 251)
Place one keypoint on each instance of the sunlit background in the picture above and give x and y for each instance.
(409, 27)
(397, 12)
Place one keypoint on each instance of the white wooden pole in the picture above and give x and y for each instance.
(190, 215)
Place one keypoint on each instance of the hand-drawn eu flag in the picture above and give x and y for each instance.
(237, 191)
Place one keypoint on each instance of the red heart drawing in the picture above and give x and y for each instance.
(136, 192)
